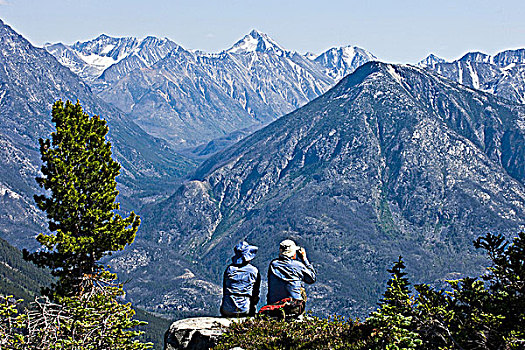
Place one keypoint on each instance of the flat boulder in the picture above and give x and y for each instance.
(197, 333)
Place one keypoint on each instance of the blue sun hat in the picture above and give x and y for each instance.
(244, 252)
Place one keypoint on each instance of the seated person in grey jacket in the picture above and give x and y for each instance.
(241, 283)
(288, 273)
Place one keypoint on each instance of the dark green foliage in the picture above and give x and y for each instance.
(393, 320)
(79, 177)
(311, 333)
(19, 277)
(475, 313)
(397, 294)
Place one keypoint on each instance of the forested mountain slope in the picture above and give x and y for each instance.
(394, 160)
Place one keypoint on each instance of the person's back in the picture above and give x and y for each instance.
(241, 283)
(286, 275)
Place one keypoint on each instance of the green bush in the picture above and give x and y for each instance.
(92, 320)
(310, 333)
(11, 323)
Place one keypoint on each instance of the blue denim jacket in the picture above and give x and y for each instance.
(240, 287)
(286, 277)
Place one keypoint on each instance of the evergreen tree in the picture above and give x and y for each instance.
(80, 200)
(394, 320)
(397, 293)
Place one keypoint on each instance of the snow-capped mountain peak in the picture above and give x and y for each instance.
(105, 45)
(89, 59)
(256, 41)
(479, 57)
(341, 61)
(430, 61)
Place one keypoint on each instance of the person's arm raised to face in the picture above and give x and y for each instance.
(309, 274)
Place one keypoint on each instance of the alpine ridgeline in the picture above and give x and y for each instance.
(502, 74)
(30, 82)
(190, 97)
(394, 160)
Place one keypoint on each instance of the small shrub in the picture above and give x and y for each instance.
(310, 333)
(93, 320)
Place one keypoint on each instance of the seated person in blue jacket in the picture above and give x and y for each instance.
(241, 283)
(288, 273)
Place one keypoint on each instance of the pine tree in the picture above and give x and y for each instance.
(393, 320)
(80, 200)
(397, 293)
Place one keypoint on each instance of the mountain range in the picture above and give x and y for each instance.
(502, 74)
(394, 160)
(391, 160)
(191, 97)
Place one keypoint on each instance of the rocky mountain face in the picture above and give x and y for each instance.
(112, 56)
(339, 62)
(431, 60)
(190, 97)
(502, 74)
(31, 80)
(394, 160)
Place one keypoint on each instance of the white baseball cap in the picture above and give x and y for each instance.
(287, 248)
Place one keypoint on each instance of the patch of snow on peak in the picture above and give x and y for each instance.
(256, 42)
(430, 61)
(100, 62)
(394, 74)
(473, 76)
(107, 49)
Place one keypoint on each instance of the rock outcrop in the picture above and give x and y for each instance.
(198, 333)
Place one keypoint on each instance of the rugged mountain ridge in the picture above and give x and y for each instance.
(339, 62)
(113, 57)
(192, 97)
(31, 80)
(394, 160)
(502, 74)
(431, 60)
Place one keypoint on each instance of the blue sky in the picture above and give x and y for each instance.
(396, 30)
